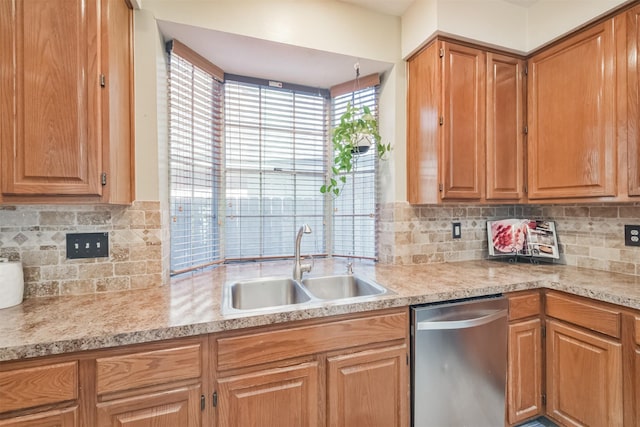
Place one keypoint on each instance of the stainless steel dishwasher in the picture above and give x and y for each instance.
(459, 363)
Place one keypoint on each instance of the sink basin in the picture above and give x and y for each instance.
(263, 293)
(342, 286)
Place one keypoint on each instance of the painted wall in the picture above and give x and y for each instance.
(498, 23)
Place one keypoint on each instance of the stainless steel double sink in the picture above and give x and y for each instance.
(278, 292)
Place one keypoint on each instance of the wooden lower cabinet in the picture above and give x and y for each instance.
(637, 388)
(524, 378)
(176, 407)
(56, 418)
(283, 397)
(348, 371)
(368, 389)
(584, 377)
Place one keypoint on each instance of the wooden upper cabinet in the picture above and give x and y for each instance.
(505, 127)
(423, 113)
(633, 99)
(572, 141)
(463, 122)
(65, 113)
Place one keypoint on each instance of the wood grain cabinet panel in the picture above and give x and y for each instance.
(144, 369)
(66, 109)
(465, 122)
(38, 385)
(505, 127)
(282, 397)
(585, 313)
(572, 141)
(584, 377)
(524, 304)
(637, 387)
(633, 99)
(369, 388)
(56, 418)
(524, 378)
(252, 349)
(171, 408)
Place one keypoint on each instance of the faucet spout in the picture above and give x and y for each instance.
(299, 268)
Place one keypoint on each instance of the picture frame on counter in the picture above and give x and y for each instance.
(523, 237)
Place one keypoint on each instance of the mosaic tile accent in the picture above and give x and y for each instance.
(36, 236)
(590, 235)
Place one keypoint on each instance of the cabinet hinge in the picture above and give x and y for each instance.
(440, 187)
(526, 70)
(103, 178)
(543, 331)
(526, 130)
(203, 401)
(215, 399)
(103, 80)
(544, 399)
(525, 189)
(407, 359)
(441, 52)
(441, 120)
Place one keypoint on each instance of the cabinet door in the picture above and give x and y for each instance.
(368, 389)
(584, 377)
(463, 115)
(572, 117)
(633, 99)
(279, 397)
(56, 418)
(176, 407)
(505, 127)
(524, 380)
(49, 113)
(423, 130)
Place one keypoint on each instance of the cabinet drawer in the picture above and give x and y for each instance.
(143, 369)
(583, 313)
(42, 385)
(264, 347)
(523, 305)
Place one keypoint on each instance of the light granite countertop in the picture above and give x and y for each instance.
(192, 305)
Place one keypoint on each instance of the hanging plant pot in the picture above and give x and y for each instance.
(362, 144)
(354, 135)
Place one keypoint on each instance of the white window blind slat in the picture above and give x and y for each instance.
(275, 142)
(354, 211)
(195, 162)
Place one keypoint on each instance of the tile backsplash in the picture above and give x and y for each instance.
(36, 236)
(589, 235)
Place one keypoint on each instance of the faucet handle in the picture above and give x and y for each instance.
(350, 268)
(309, 266)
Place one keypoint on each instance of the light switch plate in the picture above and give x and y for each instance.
(456, 230)
(87, 245)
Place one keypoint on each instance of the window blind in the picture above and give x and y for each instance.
(354, 211)
(275, 151)
(195, 164)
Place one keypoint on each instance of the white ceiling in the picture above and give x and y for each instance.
(390, 7)
(268, 60)
(253, 57)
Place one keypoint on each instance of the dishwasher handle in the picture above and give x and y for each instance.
(432, 325)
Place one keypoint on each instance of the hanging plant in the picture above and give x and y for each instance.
(354, 135)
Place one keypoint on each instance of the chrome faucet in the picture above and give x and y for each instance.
(299, 268)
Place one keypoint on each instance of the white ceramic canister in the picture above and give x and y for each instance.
(11, 283)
